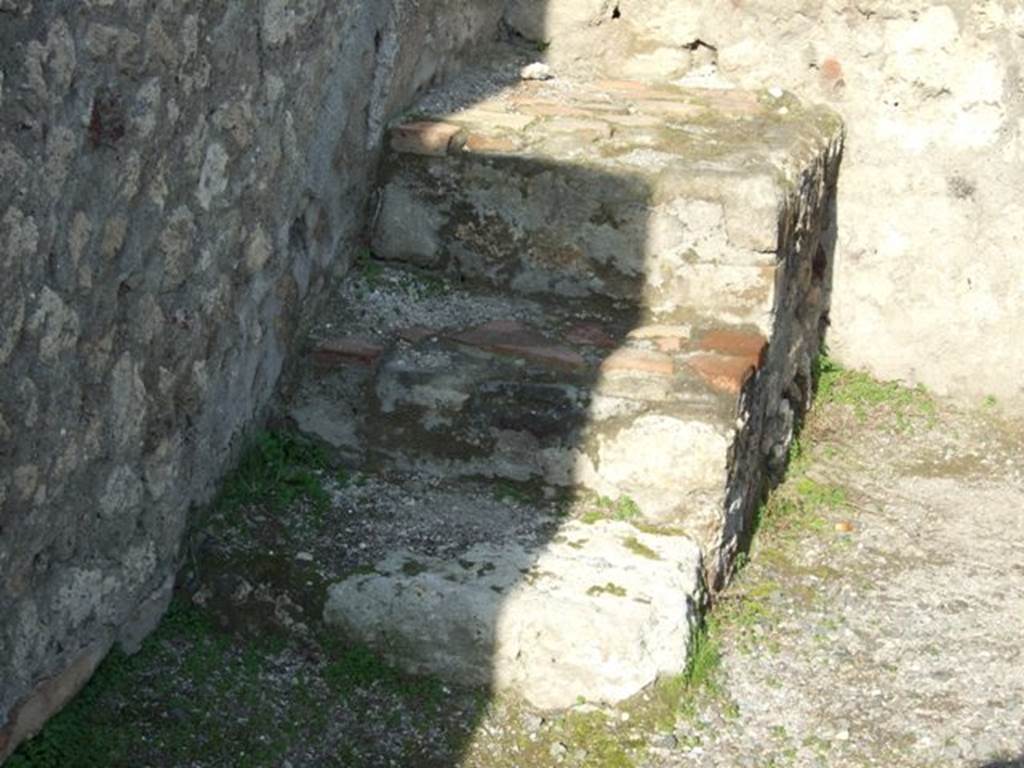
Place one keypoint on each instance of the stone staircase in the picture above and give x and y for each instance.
(604, 300)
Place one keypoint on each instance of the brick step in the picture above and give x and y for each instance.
(670, 198)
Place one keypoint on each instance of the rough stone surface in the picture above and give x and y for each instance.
(178, 180)
(718, 216)
(535, 619)
(930, 286)
(478, 383)
(543, 20)
(682, 214)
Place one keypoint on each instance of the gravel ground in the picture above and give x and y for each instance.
(878, 622)
(887, 629)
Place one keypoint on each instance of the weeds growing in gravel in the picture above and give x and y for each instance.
(866, 395)
(276, 470)
(624, 509)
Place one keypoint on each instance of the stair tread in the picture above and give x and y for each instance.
(633, 124)
(399, 312)
(512, 588)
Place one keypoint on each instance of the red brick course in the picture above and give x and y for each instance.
(347, 350)
(510, 337)
(726, 374)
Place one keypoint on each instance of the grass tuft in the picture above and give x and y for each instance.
(277, 470)
(867, 396)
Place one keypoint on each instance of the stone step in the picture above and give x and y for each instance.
(606, 291)
(671, 198)
(489, 587)
(450, 382)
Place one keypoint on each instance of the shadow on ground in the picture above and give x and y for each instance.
(1010, 763)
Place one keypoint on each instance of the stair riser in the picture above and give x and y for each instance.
(533, 227)
(459, 416)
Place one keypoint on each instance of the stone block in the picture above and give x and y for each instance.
(543, 21)
(533, 619)
(638, 362)
(597, 202)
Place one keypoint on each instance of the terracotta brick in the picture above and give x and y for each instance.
(604, 109)
(510, 337)
(669, 344)
(427, 138)
(634, 121)
(721, 372)
(732, 101)
(483, 144)
(591, 335)
(346, 350)
(638, 361)
(638, 90)
(591, 130)
(749, 345)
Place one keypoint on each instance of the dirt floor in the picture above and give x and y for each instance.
(878, 621)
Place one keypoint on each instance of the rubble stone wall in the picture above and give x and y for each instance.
(179, 180)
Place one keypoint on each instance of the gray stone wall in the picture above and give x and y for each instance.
(179, 180)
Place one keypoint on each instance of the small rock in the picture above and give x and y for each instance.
(532, 722)
(665, 741)
(558, 750)
(536, 71)
(305, 557)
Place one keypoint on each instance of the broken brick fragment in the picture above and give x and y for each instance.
(590, 335)
(722, 372)
(749, 345)
(347, 350)
(510, 337)
(831, 69)
(427, 138)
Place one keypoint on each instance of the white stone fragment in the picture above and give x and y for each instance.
(536, 71)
